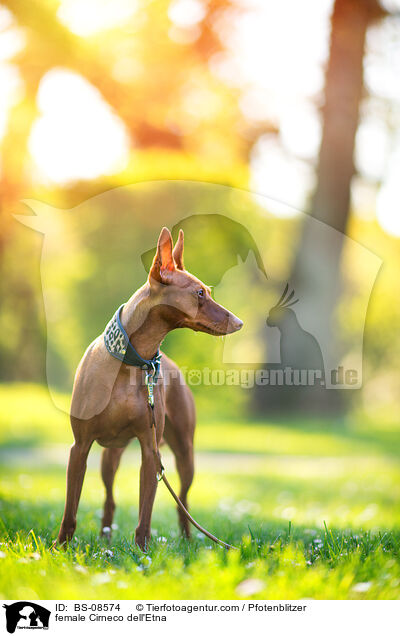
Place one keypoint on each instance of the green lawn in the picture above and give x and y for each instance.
(312, 505)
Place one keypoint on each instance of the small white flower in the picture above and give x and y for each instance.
(101, 578)
(361, 587)
(106, 530)
(249, 587)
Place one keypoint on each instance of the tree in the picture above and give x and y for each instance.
(316, 268)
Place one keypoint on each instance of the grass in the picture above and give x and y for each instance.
(312, 506)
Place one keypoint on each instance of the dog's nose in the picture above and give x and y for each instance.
(232, 324)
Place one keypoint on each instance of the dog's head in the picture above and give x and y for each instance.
(185, 300)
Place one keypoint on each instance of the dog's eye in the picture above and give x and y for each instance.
(200, 293)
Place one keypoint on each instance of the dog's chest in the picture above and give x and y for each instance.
(128, 415)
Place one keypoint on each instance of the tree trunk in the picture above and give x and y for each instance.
(316, 269)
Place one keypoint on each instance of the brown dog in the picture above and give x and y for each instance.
(109, 401)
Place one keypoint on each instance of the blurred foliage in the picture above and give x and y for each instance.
(158, 81)
(381, 345)
(183, 123)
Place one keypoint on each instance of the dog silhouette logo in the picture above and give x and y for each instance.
(26, 615)
(298, 348)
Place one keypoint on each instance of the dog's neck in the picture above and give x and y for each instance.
(143, 322)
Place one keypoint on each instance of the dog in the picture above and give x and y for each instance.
(110, 399)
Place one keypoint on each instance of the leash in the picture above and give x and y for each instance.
(149, 380)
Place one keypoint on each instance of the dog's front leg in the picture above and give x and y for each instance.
(75, 475)
(148, 487)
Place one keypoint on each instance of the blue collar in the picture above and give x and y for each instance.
(118, 345)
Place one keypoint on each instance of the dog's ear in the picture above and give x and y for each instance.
(178, 251)
(163, 263)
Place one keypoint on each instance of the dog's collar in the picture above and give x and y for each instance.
(118, 345)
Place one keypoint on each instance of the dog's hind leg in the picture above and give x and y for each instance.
(183, 451)
(75, 475)
(178, 433)
(109, 465)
